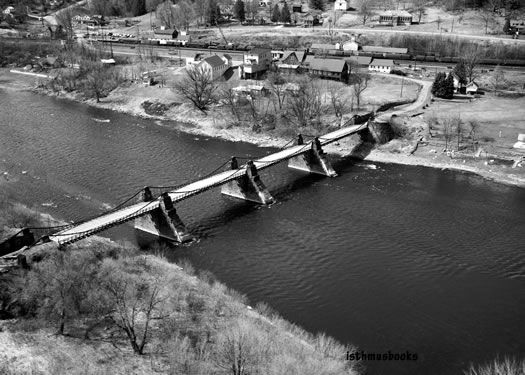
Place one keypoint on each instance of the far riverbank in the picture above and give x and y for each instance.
(183, 117)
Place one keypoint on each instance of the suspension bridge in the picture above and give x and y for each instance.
(158, 216)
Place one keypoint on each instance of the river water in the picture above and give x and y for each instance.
(394, 258)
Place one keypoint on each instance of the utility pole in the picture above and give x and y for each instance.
(402, 83)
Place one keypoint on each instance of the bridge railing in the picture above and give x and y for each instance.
(118, 214)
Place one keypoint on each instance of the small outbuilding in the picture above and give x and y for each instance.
(166, 33)
(472, 88)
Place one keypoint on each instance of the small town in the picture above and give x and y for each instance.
(370, 158)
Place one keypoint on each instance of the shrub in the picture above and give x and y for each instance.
(507, 366)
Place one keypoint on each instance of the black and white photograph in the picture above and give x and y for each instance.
(262, 187)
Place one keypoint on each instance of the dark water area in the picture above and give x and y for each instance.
(393, 258)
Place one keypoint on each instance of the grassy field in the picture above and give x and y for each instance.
(500, 119)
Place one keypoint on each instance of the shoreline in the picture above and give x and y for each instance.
(186, 120)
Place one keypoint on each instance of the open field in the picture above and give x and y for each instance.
(500, 119)
(435, 20)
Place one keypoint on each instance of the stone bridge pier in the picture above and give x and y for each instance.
(313, 161)
(163, 221)
(249, 186)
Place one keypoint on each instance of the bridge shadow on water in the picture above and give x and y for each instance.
(238, 208)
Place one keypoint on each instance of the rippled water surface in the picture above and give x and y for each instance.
(395, 258)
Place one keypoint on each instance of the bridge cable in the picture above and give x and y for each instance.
(185, 193)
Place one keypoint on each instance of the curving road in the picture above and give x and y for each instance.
(422, 99)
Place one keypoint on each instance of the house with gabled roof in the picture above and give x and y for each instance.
(329, 68)
(166, 33)
(291, 61)
(341, 5)
(213, 65)
(459, 85)
(471, 88)
(381, 65)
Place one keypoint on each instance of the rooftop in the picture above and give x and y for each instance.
(298, 54)
(397, 13)
(380, 49)
(359, 60)
(259, 50)
(214, 61)
(328, 65)
(382, 62)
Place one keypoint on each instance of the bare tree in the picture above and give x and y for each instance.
(242, 351)
(360, 84)
(305, 104)
(471, 58)
(352, 67)
(487, 16)
(186, 14)
(419, 7)
(497, 79)
(100, 80)
(100, 7)
(278, 87)
(57, 288)
(230, 99)
(458, 126)
(64, 19)
(166, 13)
(438, 22)
(448, 130)
(365, 9)
(252, 7)
(135, 300)
(198, 87)
(338, 99)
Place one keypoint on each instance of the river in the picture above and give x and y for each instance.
(393, 258)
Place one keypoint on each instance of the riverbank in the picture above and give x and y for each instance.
(196, 321)
(217, 123)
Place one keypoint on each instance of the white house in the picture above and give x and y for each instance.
(255, 62)
(351, 45)
(381, 65)
(214, 66)
(521, 142)
(8, 10)
(228, 60)
(459, 87)
(341, 5)
(471, 88)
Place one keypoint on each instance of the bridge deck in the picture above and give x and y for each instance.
(133, 211)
